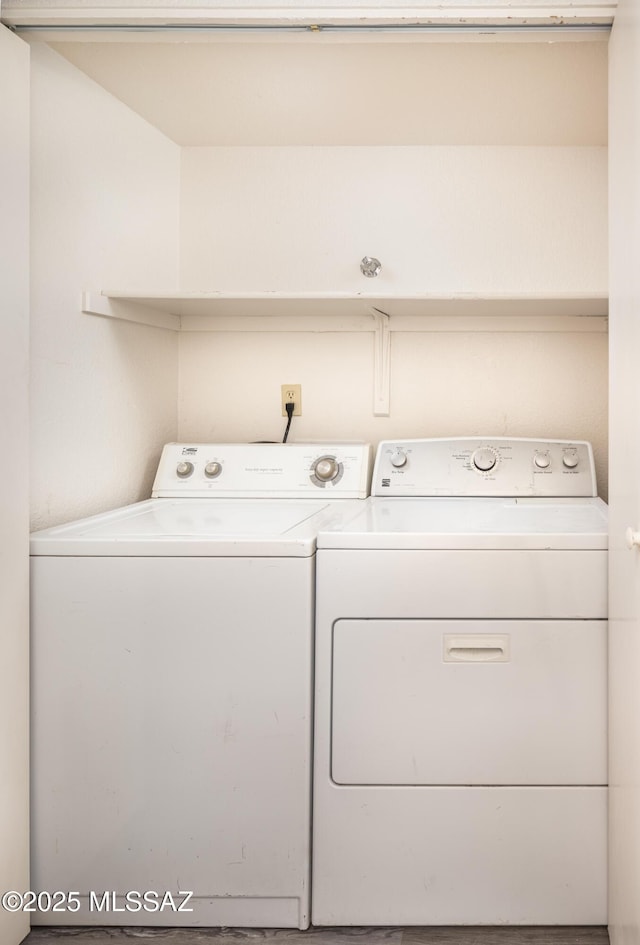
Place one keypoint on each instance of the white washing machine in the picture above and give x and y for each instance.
(460, 717)
(172, 691)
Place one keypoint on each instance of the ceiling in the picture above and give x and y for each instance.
(306, 91)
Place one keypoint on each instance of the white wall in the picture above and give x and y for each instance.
(443, 220)
(14, 504)
(104, 214)
(443, 384)
(624, 564)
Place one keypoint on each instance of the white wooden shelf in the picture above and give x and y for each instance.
(324, 311)
(318, 311)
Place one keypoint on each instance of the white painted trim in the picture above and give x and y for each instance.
(362, 15)
(381, 364)
(14, 481)
(404, 323)
(442, 33)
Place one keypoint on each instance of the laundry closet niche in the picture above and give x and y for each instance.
(264, 166)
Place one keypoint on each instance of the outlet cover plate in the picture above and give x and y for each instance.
(289, 393)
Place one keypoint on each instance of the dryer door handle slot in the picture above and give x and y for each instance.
(476, 648)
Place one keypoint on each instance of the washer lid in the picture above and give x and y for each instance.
(199, 527)
(472, 523)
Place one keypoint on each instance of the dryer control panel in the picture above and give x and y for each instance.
(484, 466)
(263, 470)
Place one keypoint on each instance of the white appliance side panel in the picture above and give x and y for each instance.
(418, 702)
(566, 585)
(458, 856)
(171, 735)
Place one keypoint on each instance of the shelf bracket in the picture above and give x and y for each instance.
(95, 303)
(381, 363)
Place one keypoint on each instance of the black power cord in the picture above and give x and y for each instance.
(289, 407)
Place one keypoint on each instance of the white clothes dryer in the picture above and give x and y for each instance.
(172, 691)
(460, 715)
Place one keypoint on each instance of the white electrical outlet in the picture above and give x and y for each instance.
(292, 394)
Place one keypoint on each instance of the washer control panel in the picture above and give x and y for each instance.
(263, 470)
(484, 466)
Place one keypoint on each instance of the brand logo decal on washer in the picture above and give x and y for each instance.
(386, 482)
(189, 450)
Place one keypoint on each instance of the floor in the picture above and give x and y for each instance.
(431, 935)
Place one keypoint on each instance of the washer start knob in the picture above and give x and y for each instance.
(484, 459)
(570, 460)
(325, 469)
(184, 470)
(212, 470)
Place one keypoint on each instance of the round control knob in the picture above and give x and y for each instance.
(184, 470)
(325, 469)
(398, 459)
(484, 459)
(542, 460)
(211, 470)
(570, 460)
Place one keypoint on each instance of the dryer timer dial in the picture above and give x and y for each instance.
(484, 459)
